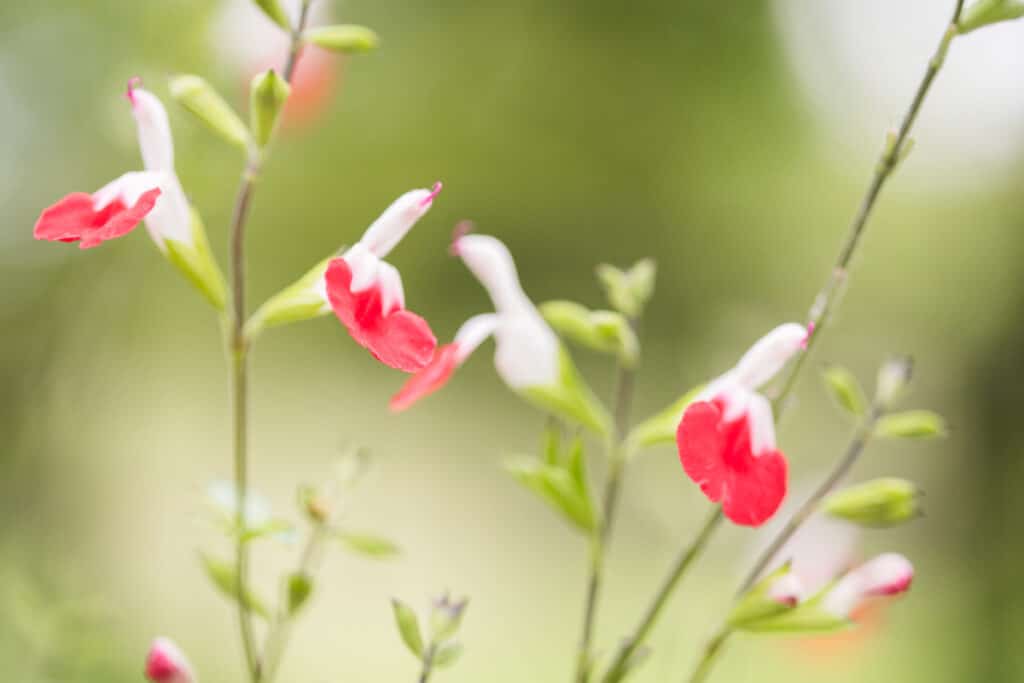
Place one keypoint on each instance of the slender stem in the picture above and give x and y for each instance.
(296, 46)
(896, 147)
(599, 540)
(690, 553)
(428, 663)
(860, 439)
(711, 652)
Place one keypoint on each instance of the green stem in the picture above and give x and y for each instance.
(711, 652)
(619, 665)
(895, 149)
(428, 663)
(599, 539)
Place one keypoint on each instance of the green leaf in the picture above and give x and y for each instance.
(199, 98)
(348, 39)
(274, 527)
(661, 428)
(408, 627)
(300, 587)
(447, 654)
(845, 389)
(628, 291)
(267, 96)
(912, 424)
(557, 487)
(571, 398)
(225, 578)
(552, 446)
(196, 262)
(604, 331)
(368, 544)
(272, 8)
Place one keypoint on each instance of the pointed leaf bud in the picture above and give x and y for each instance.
(446, 617)
(273, 9)
(199, 97)
(893, 378)
(348, 39)
(408, 626)
(877, 503)
(912, 424)
(304, 299)
(267, 94)
(604, 331)
(985, 12)
(165, 663)
(628, 291)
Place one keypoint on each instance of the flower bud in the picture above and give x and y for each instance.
(605, 331)
(165, 663)
(273, 9)
(773, 595)
(348, 39)
(445, 617)
(199, 97)
(267, 94)
(985, 12)
(893, 378)
(877, 503)
(304, 299)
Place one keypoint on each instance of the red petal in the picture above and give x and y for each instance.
(73, 218)
(716, 455)
(702, 448)
(401, 339)
(429, 379)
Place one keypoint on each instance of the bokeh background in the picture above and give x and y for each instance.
(731, 141)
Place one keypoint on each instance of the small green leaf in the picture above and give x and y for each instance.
(557, 487)
(368, 544)
(408, 627)
(571, 398)
(604, 331)
(628, 291)
(272, 8)
(661, 428)
(348, 39)
(300, 587)
(577, 466)
(274, 527)
(912, 424)
(552, 445)
(845, 389)
(447, 654)
(199, 98)
(225, 578)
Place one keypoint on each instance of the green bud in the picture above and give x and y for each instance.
(445, 617)
(348, 39)
(199, 97)
(893, 378)
(267, 94)
(985, 12)
(912, 424)
(272, 8)
(300, 587)
(763, 600)
(877, 503)
(408, 626)
(604, 331)
(628, 291)
(845, 389)
(301, 300)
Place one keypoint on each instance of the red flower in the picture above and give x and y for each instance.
(727, 440)
(91, 219)
(429, 379)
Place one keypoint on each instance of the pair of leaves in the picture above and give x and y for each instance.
(441, 655)
(561, 482)
(628, 291)
(604, 331)
(224, 576)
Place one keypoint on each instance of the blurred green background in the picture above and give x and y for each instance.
(731, 141)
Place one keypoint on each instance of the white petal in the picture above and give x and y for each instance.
(788, 589)
(474, 332)
(154, 131)
(762, 424)
(886, 574)
(392, 295)
(387, 231)
(364, 267)
(490, 261)
(171, 218)
(527, 353)
(769, 354)
(128, 188)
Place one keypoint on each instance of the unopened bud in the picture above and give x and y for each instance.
(348, 39)
(605, 331)
(893, 378)
(267, 95)
(985, 12)
(165, 663)
(777, 593)
(199, 97)
(445, 617)
(877, 503)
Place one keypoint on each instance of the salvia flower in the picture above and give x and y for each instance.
(528, 355)
(726, 438)
(366, 293)
(165, 663)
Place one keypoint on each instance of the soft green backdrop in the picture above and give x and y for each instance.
(578, 132)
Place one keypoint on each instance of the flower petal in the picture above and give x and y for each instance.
(400, 339)
(429, 379)
(754, 494)
(75, 218)
(702, 448)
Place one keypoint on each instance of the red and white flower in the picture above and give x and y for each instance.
(118, 207)
(165, 663)
(527, 354)
(726, 438)
(366, 293)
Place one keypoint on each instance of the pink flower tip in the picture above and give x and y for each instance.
(810, 333)
(461, 229)
(434, 191)
(133, 83)
(165, 663)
